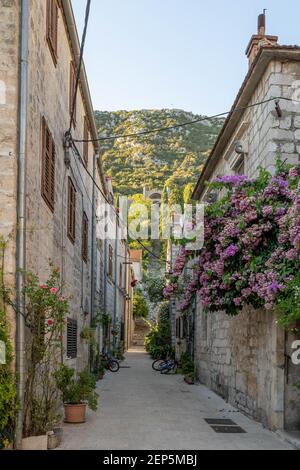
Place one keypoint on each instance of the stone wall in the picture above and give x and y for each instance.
(243, 358)
(9, 70)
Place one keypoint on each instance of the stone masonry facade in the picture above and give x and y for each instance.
(246, 359)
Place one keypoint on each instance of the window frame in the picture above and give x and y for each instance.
(85, 237)
(48, 165)
(72, 337)
(52, 28)
(71, 216)
(110, 262)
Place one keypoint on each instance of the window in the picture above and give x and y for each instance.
(72, 91)
(121, 276)
(86, 136)
(48, 166)
(72, 329)
(52, 24)
(71, 210)
(110, 261)
(85, 237)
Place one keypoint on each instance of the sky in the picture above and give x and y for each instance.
(183, 54)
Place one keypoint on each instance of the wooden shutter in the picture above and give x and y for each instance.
(72, 90)
(85, 237)
(71, 211)
(110, 262)
(72, 331)
(48, 166)
(52, 27)
(86, 144)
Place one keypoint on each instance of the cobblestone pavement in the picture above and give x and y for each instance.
(141, 409)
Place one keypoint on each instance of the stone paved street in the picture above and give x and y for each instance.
(141, 409)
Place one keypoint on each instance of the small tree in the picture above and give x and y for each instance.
(140, 306)
(46, 311)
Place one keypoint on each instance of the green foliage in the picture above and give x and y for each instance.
(155, 287)
(45, 314)
(151, 161)
(187, 366)
(140, 306)
(76, 390)
(159, 341)
(288, 306)
(8, 393)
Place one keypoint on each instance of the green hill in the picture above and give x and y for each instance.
(151, 160)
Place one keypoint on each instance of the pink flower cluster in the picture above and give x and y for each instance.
(170, 290)
(180, 262)
(252, 244)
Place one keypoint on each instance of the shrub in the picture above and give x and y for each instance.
(76, 390)
(140, 306)
(155, 287)
(187, 366)
(8, 392)
(159, 341)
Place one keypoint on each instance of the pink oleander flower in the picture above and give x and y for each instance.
(53, 290)
(43, 286)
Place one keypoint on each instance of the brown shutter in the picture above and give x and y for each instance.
(85, 237)
(48, 166)
(71, 211)
(52, 27)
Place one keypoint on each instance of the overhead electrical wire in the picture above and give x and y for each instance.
(184, 124)
(135, 135)
(115, 210)
(74, 141)
(86, 22)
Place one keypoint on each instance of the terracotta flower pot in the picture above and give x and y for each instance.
(189, 380)
(75, 414)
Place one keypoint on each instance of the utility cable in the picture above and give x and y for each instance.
(86, 21)
(115, 210)
(184, 124)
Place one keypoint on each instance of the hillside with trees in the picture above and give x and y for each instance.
(154, 160)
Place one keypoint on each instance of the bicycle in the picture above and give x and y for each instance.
(110, 363)
(165, 366)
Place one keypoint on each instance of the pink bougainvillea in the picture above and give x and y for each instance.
(252, 243)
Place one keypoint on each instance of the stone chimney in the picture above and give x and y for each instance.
(260, 39)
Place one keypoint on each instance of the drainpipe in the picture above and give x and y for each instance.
(21, 216)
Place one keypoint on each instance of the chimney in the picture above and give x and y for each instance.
(261, 39)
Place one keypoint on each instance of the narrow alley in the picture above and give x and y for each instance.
(140, 409)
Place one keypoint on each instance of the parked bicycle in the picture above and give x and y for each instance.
(110, 363)
(165, 366)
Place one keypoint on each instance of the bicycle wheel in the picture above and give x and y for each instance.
(158, 364)
(113, 365)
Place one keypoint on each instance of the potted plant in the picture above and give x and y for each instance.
(190, 378)
(188, 369)
(77, 393)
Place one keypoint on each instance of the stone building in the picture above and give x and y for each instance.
(48, 200)
(247, 359)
